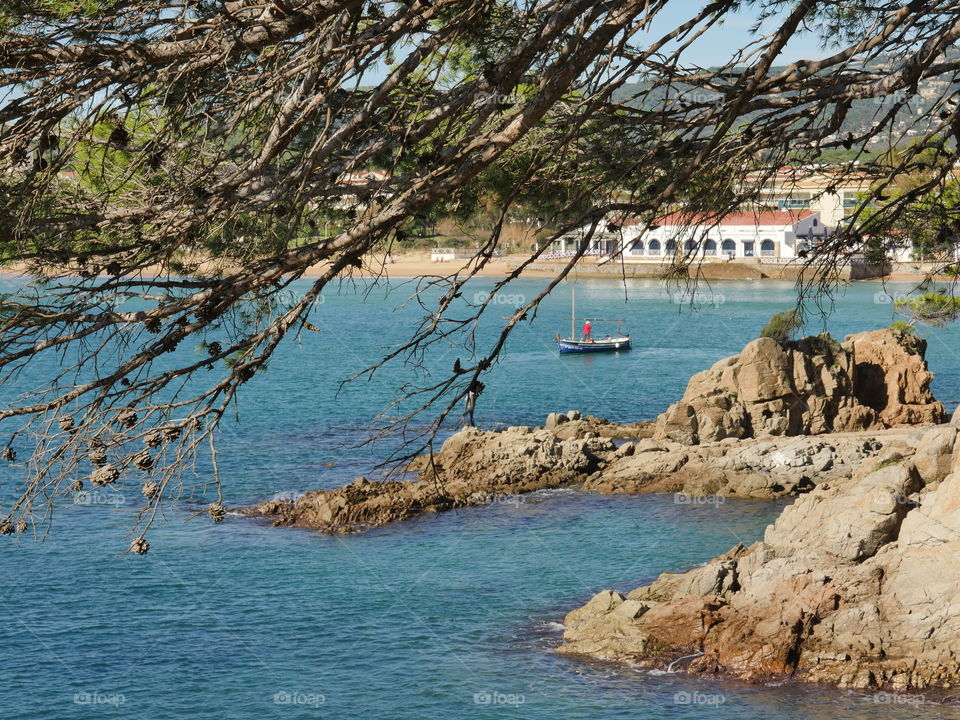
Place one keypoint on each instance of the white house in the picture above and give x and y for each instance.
(602, 242)
(764, 233)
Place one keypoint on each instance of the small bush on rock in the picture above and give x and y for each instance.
(783, 325)
(902, 327)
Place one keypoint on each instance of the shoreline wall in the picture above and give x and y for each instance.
(712, 270)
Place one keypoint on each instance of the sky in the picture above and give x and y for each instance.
(717, 45)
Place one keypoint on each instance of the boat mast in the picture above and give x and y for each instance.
(573, 305)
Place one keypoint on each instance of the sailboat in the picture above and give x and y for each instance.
(591, 344)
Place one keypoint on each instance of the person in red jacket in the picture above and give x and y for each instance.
(587, 327)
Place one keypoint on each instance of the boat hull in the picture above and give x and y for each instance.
(604, 345)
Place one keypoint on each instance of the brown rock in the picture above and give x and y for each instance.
(891, 376)
(812, 386)
(472, 468)
(934, 456)
(855, 585)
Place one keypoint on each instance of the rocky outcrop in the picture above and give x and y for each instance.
(873, 380)
(476, 467)
(472, 468)
(760, 469)
(856, 584)
(702, 445)
(571, 425)
(891, 377)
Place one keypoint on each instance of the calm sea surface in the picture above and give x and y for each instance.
(454, 616)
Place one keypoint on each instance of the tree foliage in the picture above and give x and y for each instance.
(166, 167)
(928, 221)
(932, 308)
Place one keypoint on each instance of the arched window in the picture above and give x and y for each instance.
(728, 246)
(689, 247)
(671, 247)
(766, 248)
(748, 248)
(636, 247)
(653, 248)
(710, 248)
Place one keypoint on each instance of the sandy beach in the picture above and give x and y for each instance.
(418, 263)
(412, 264)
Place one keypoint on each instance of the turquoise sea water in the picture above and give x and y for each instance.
(454, 616)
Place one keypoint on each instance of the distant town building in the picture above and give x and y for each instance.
(365, 177)
(764, 234)
(803, 189)
(761, 234)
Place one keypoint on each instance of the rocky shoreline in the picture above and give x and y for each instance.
(856, 583)
(853, 585)
(774, 420)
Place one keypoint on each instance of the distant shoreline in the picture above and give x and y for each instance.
(419, 264)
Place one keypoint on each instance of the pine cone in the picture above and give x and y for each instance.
(22, 526)
(217, 512)
(144, 461)
(95, 442)
(9, 454)
(214, 348)
(77, 485)
(153, 438)
(128, 418)
(171, 433)
(97, 457)
(150, 489)
(139, 546)
(6, 527)
(66, 423)
(104, 475)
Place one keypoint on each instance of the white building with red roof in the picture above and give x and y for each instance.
(752, 234)
(761, 233)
